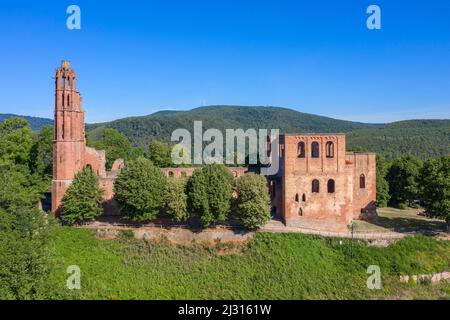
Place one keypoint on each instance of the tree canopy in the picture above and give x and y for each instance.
(138, 189)
(209, 193)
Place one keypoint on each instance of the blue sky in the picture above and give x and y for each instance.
(137, 57)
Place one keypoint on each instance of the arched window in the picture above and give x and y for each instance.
(300, 212)
(315, 149)
(330, 186)
(171, 174)
(304, 197)
(301, 149)
(330, 149)
(362, 181)
(315, 186)
(296, 197)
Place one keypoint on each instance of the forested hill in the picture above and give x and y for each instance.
(35, 123)
(423, 138)
(140, 130)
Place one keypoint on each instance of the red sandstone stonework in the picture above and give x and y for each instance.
(318, 180)
(326, 183)
(70, 153)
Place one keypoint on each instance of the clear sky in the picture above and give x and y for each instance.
(137, 57)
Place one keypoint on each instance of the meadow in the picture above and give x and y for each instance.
(271, 266)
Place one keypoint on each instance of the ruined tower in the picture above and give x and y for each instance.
(69, 142)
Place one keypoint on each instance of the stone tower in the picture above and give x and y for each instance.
(69, 142)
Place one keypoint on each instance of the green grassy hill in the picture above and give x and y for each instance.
(272, 266)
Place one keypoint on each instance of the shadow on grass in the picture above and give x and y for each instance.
(411, 225)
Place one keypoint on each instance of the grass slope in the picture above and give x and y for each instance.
(273, 266)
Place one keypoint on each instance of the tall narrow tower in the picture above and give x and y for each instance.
(69, 143)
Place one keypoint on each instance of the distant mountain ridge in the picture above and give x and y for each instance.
(423, 138)
(36, 123)
(160, 125)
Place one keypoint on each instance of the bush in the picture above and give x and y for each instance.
(174, 202)
(83, 199)
(25, 254)
(209, 193)
(253, 202)
(138, 189)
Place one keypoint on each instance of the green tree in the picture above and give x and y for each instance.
(25, 254)
(83, 199)
(435, 186)
(209, 193)
(403, 180)
(174, 203)
(16, 141)
(17, 187)
(115, 144)
(382, 184)
(253, 202)
(42, 153)
(159, 153)
(138, 189)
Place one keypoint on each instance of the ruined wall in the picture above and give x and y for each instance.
(302, 167)
(188, 171)
(96, 159)
(363, 166)
(324, 183)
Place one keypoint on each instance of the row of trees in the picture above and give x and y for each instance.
(143, 193)
(408, 182)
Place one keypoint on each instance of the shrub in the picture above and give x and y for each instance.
(174, 202)
(209, 193)
(83, 199)
(253, 202)
(138, 189)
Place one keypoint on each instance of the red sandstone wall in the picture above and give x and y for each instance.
(96, 159)
(364, 199)
(179, 172)
(298, 174)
